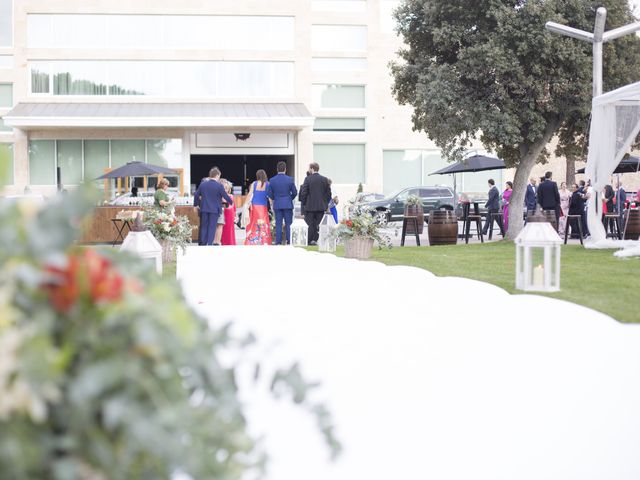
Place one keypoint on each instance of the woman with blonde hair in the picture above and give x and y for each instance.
(229, 229)
(259, 227)
(161, 198)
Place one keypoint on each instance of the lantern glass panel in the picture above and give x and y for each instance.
(299, 235)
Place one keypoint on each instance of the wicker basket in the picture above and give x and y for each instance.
(358, 247)
(168, 251)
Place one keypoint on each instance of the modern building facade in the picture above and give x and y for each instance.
(87, 85)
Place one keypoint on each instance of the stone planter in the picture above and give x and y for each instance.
(414, 211)
(358, 247)
(168, 251)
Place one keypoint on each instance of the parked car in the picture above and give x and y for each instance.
(433, 198)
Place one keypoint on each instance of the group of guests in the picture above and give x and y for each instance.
(215, 205)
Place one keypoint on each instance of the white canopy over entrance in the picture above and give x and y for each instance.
(615, 123)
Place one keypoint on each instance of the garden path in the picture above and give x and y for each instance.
(426, 377)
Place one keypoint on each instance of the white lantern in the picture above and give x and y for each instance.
(299, 233)
(538, 258)
(327, 242)
(145, 245)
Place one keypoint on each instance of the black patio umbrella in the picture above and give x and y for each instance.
(136, 169)
(628, 164)
(475, 163)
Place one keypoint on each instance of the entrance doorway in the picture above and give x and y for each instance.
(238, 169)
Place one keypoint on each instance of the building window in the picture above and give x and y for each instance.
(165, 152)
(176, 79)
(6, 95)
(339, 38)
(410, 168)
(342, 6)
(6, 23)
(6, 61)
(339, 64)
(3, 127)
(6, 164)
(69, 160)
(338, 96)
(42, 162)
(138, 32)
(401, 169)
(337, 124)
(125, 151)
(96, 158)
(342, 163)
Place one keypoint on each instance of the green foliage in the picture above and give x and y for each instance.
(164, 224)
(413, 200)
(363, 222)
(105, 373)
(490, 69)
(360, 188)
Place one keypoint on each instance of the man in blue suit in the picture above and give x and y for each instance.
(208, 199)
(282, 191)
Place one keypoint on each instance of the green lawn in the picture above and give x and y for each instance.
(594, 278)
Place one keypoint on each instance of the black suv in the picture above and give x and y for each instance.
(433, 198)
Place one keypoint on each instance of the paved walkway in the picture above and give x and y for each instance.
(426, 377)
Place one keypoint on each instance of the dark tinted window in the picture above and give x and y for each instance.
(429, 192)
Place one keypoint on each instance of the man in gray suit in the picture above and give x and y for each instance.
(492, 205)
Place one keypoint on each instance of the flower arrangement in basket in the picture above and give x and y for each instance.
(106, 373)
(364, 226)
(167, 227)
(413, 200)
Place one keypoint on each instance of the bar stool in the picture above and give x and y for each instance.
(496, 217)
(612, 225)
(578, 219)
(414, 222)
(468, 217)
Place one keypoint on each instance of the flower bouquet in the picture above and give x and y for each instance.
(106, 373)
(360, 230)
(169, 229)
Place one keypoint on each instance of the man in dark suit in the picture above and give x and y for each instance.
(282, 190)
(315, 194)
(530, 196)
(549, 196)
(492, 205)
(621, 199)
(208, 201)
(576, 207)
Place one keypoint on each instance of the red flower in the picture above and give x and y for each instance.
(87, 273)
(348, 223)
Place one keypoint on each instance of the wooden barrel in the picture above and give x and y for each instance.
(632, 225)
(443, 228)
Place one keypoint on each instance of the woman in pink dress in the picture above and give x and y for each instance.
(506, 197)
(229, 229)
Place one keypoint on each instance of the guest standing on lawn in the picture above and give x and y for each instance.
(208, 202)
(565, 199)
(315, 194)
(506, 198)
(282, 191)
(548, 196)
(492, 205)
(259, 227)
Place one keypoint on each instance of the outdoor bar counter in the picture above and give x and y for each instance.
(100, 229)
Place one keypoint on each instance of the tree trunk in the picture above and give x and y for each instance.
(571, 170)
(528, 157)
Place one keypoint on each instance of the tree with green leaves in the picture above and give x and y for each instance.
(489, 71)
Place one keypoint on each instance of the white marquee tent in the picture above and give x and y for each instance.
(615, 123)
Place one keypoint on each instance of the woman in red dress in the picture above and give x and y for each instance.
(229, 229)
(259, 228)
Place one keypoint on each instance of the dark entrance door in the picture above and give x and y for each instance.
(238, 169)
